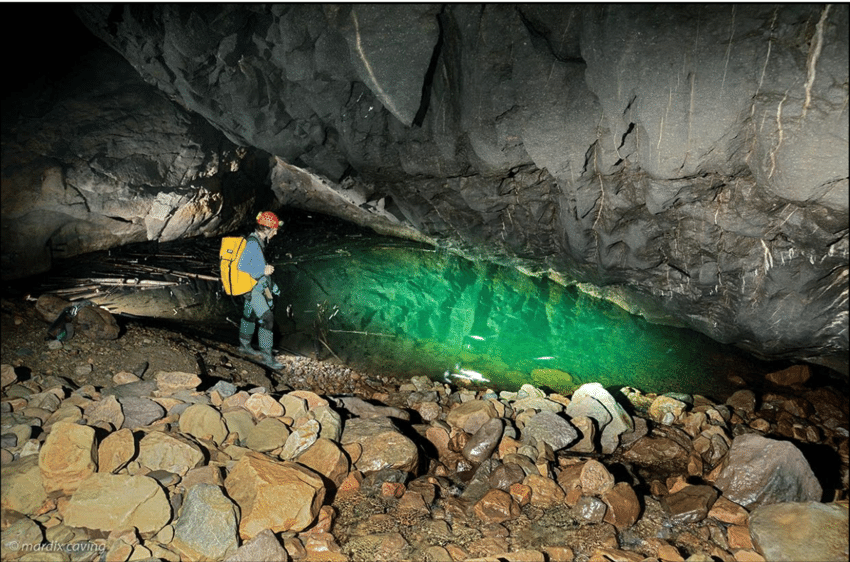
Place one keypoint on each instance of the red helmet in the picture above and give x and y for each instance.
(269, 219)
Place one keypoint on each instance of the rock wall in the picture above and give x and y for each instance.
(692, 160)
(95, 158)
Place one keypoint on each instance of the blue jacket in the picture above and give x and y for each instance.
(253, 262)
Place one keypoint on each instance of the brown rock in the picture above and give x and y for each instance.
(666, 410)
(648, 451)
(170, 382)
(623, 506)
(812, 531)
(559, 553)
(263, 406)
(311, 398)
(109, 502)
(68, 457)
(203, 422)
(392, 490)
(96, 323)
(162, 451)
(796, 374)
(728, 512)
(413, 501)
(207, 474)
(738, 537)
(280, 496)
(115, 451)
(689, 505)
(107, 410)
(325, 457)
(496, 507)
(351, 483)
(470, 416)
(545, 492)
(521, 494)
(383, 446)
(21, 485)
(595, 479)
(762, 471)
(7, 375)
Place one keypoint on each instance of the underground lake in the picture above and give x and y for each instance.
(405, 308)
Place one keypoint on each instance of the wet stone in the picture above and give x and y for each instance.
(549, 428)
(505, 475)
(496, 506)
(760, 471)
(482, 444)
(689, 505)
(590, 510)
(595, 478)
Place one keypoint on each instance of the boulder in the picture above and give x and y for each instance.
(21, 485)
(207, 526)
(761, 471)
(116, 450)
(109, 502)
(68, 457)
(801, 531)
(203, 422)
(162, 451)
(281, 496)
(383, 446)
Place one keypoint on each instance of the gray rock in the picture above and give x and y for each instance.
(506, 475)
(264, 546)
(482, 444)
(764, 471)
(590, 509)
(363, 409)
(593, 401)
(550, 428)
(131, 390)
(208, 524)
(140, 412)
(223, 388)
(480, 482)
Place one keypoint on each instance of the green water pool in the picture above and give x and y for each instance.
(412, 310)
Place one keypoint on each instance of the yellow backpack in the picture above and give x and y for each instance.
(235, 282)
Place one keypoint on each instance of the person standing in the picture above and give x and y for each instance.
(259, 302)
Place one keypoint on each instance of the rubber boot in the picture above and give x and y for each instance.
(266, 339)
(246, 333)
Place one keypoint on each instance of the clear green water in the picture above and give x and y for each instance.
(406, 309)
(411, 310)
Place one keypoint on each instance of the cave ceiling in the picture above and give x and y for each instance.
(689, 162)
